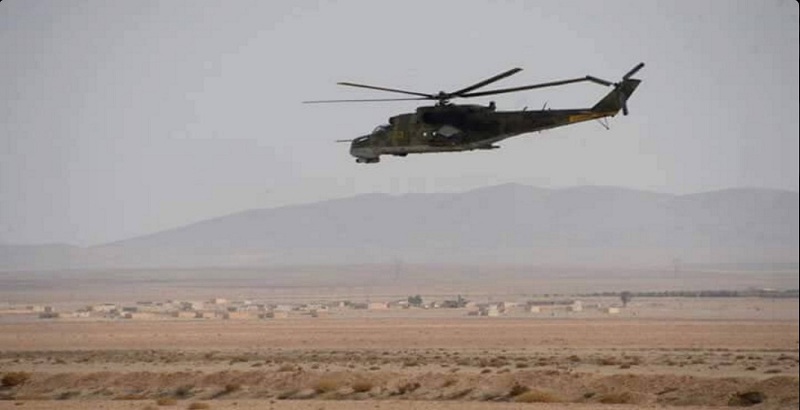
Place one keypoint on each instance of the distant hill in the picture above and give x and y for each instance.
(49, 256)
(499, 224)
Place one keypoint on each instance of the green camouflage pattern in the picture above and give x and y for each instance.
(452, 128)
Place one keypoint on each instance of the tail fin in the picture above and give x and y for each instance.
(616, 99)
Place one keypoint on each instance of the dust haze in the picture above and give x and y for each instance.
(178, 231)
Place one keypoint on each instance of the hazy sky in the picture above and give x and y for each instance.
(124, 118)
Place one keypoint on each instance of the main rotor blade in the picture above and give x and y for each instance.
(393, 90)
(367, 100)
(599, 81)
(633, 71)
(525, 87)
(486, 82)
(622, 103)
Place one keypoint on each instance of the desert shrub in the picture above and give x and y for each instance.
(537, 396)
(68, 395)
(518, 389)
(286, 394)
(15, 379)
(362, 386)
(239, 359)
(184, 391)
(199, 406)
(747, 399)
(608, 361)
(232, 387)
(460, 394)
(326, 385)
(408, 388)
(449, 382)
(635, 360)
(130, 397)
(616, 398)
(491, 396)
(166, 401)
(286, 368)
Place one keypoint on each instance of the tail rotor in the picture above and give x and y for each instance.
(618, 98)
(628, 75)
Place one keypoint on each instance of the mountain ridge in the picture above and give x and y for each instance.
(514, 222)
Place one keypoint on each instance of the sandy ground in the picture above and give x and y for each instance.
(326, 405)
(397, 333)
(401, 362)
(688, 353)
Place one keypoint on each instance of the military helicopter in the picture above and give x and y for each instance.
(447, 127)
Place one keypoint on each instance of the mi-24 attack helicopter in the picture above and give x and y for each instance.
(447, 127)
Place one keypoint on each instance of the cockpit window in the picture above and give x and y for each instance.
(361, 141)
(381, 129)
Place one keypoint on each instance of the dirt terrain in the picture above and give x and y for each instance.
(346, 362)
(658, 352)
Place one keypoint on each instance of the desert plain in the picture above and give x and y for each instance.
(657, 352)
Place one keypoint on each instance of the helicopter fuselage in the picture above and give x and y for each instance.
(453, 128)
(447, 127)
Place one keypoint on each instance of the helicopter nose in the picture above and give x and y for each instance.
(362, 152)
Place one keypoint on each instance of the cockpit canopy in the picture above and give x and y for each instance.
(361, 141)
(381, 129)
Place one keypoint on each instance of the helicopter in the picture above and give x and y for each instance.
(448, 127)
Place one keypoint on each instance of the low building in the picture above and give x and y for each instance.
(237, 316)
(208, 315)
(191, 305)
(319, 312)
(104, 307)
(576, 306)
(490, 311)
(275, 314)
(377, 306)
(399, 304)
(139, 315)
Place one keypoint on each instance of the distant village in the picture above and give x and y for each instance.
(605, 303)
(224, 309)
